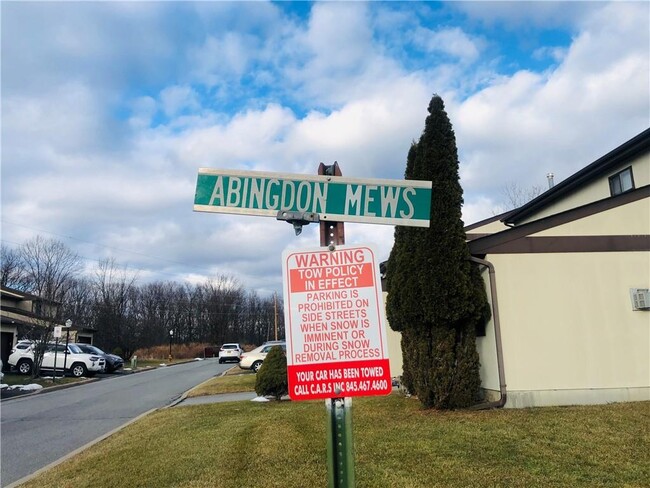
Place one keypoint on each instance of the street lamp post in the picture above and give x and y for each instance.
(171, 337)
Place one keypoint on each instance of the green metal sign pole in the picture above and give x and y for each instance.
(340, 452)
(340, 448)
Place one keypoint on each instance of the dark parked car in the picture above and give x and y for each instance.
(113, 362)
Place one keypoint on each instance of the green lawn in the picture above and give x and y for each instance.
(397, 444)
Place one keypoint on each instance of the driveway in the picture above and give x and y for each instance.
(37, 430)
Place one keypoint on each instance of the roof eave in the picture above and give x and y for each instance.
(621, 154)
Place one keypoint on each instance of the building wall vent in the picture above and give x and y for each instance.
(640, 298)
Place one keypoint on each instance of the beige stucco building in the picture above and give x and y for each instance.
(571, 273)
(568, 275)
(22, 313)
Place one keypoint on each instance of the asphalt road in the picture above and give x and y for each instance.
(36, 430)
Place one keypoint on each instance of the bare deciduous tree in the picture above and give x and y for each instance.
(79, 303)
(50, 271)
(514, 196)
(12, 268)
(128, 316)
(114, 295)
(50, 267)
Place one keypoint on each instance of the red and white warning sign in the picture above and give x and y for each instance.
(335, 322)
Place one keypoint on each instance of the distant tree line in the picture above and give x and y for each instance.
(128, 315)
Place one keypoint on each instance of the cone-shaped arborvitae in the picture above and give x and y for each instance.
(436, 296)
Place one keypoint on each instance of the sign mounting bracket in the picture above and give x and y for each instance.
(298, 219)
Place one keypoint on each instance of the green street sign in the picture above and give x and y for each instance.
(334, 198)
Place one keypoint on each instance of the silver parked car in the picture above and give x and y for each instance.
(254, 359)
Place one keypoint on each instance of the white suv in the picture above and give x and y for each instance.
(230, 352)
(76, 362)
(22, 344)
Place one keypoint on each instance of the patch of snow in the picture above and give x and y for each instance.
(260, 399)
(198, 359)
(3, 386)
(31, 387)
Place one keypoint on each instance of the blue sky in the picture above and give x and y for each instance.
(110, 108)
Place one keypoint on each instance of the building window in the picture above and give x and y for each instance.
(621, 182)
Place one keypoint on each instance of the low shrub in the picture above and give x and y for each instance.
(272, 376)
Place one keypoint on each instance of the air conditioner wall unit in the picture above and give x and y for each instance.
(640, 298)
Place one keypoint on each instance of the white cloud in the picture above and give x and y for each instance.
(47, 132)
(557, 54)
(101, 44)
(335, 58)
(513, 15)
(249, 139)
(221, 59)
(339, 39)
(369, 137)
(86, 152)
(480, 208)
(142, 110)
(533, 123)
(453, 42)
(177, 99)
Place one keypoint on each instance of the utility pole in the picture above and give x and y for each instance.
(275, 313)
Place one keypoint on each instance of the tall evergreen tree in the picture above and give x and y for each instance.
(436, 296)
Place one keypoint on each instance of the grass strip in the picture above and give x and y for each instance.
(225, 384)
